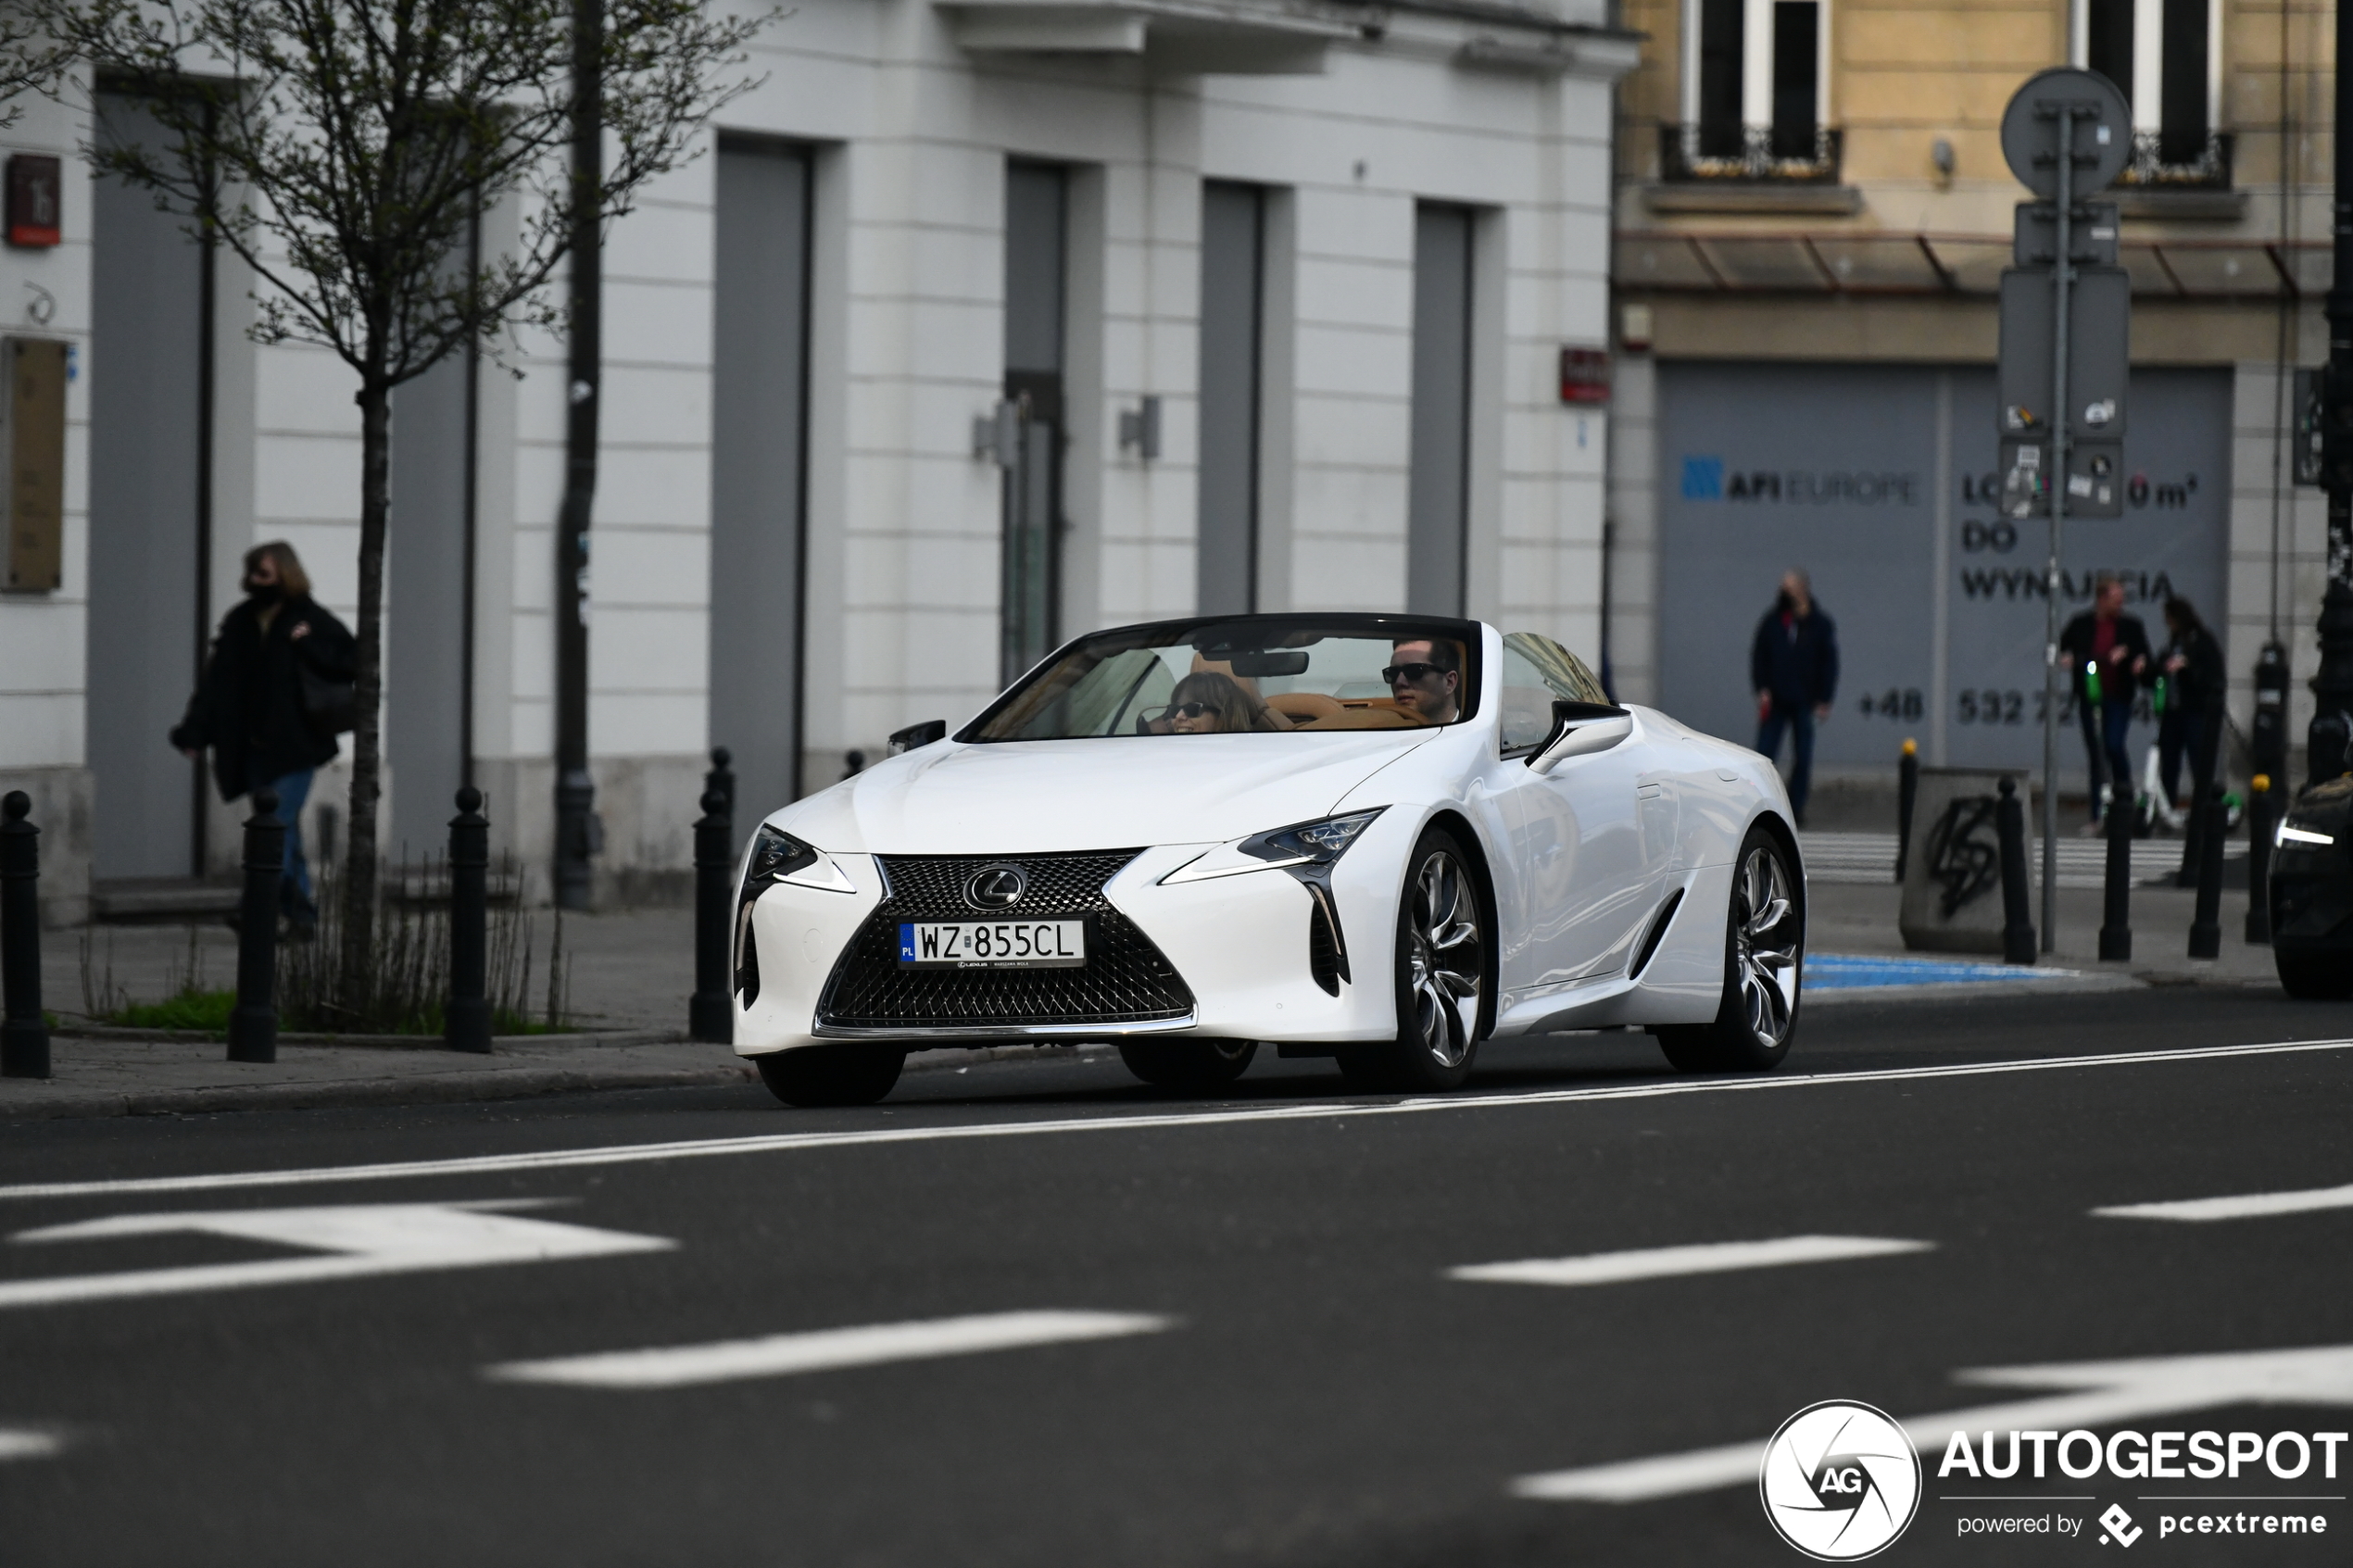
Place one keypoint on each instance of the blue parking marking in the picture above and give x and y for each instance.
(1849, 972)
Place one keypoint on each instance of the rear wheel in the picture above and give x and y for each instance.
(1763, 951)
(831, 1075)
(1440, 965)
(2315, 977)
(1187, 1066)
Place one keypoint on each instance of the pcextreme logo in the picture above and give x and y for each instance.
(1839, 1481)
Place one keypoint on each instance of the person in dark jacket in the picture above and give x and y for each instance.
(250, 707)
(1792, 666)
(2196, 684)
(2106, 653)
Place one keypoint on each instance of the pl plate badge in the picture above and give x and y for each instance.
(1839, 1481)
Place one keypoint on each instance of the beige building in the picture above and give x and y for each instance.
(1812, 213)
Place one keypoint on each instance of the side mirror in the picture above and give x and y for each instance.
(1580, 729)
(916, 735)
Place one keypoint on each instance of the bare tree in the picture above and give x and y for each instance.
(343, 148)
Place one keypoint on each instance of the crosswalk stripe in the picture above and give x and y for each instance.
(16, 1443)
(1861, 859)
(1706, 1258)
(782, 1355)
(2249, 1205)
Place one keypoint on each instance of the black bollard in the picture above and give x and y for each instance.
(466, 1019)
(2017, 927)
(2206, 925)
(711, 1015)
(1907, 790)
(24, 1035)
(2116, 925)
(2259, 825)
(722, 777)
(253, 1026)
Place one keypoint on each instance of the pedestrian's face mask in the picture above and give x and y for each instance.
(268, 593)
(1786, 604)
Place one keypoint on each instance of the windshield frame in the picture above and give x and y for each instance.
(1168, 634)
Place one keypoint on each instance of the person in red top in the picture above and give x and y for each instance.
(2109, 643)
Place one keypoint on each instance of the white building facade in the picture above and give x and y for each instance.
(977, 326)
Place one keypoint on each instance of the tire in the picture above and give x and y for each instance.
(1441, 971)
(815, 1075)
(2315, 977)
(1187, 1066)
(1764, 956)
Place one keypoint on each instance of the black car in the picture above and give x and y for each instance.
(2312, 892)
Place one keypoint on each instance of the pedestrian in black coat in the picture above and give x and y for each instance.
(1792, 666)
(2196, 680)
(275, 691)
(2106, 653)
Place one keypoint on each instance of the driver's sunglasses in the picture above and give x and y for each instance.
(1416, 671)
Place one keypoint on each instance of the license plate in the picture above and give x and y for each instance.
(996, 944)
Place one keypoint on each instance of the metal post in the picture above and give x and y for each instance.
(253, 1026)
(2206, 925)
(2261, 812)
(2017, 930)
(466, 1020)
(721, 776)
(2115, 926)
(24, 1036)
(711, 1015)
(2062, 278)
(1907, 792)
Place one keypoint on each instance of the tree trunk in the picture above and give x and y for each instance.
(367, 733)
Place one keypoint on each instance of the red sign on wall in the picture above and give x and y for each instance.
(1584, 375)
(35, 204)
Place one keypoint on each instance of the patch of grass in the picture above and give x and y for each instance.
(208, 1010)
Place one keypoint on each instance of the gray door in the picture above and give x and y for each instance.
(1438, 493)
(146, 520)
(1036, 203)
(1232, 263)
(425, 630)
(759, 364)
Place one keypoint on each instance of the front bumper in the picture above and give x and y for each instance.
(1239, 947)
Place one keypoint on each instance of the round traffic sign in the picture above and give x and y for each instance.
(2102, 123)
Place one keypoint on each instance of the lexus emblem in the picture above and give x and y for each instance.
(996, 887)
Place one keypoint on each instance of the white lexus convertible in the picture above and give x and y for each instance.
(1382, 838)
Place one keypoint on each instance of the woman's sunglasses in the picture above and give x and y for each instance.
(1397, 672)
(1187, 709)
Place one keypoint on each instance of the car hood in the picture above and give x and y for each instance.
(1117, 792)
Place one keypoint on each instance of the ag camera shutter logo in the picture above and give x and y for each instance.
(1839, 1481)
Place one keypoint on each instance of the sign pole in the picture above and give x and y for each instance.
(2062, 274)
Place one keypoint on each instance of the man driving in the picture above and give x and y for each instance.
(1424, 675)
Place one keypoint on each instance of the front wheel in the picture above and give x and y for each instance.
(2315, 977)
(1187, 1066)
(1764, 954)
(1442, 965)
(831, 1075)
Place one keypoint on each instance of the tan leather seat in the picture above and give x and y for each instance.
(1301, 707)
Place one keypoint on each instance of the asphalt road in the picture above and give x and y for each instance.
(1286, 1373)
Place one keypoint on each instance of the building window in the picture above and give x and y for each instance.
(2166, 57)
(1233, 278)
(1755, 73)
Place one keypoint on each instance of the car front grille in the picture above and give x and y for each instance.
(1126, 979)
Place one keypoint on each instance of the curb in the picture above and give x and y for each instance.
(456, 1088)
(109, 1032)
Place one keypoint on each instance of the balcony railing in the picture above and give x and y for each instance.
(2159, 164)
(1767, 156)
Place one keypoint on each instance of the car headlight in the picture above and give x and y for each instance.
(2287, 835)
(1316, 844)
(777, 856)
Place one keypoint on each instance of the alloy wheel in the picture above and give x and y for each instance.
(1445, 960)
(1765, 941)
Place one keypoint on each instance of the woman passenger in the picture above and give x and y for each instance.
(1210, 703)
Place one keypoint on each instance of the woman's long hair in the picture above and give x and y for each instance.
(290, 573)
(1222, 695)
(2183, 615)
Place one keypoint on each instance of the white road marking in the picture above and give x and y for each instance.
(2251, 1206)
(1320, 1111)
(16, 1443)
(362, 1240)
(2100, 1394)
(1665, 1262)
(781, 1355)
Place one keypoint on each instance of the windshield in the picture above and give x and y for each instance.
(1261, 674)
